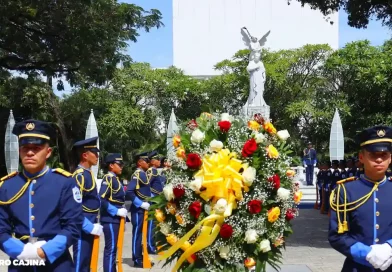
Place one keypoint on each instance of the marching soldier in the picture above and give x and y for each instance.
(139, 191)
(87, 152)
(154, 179)
(112, 209)
(352, 170)
(40, 208)
(360, 221)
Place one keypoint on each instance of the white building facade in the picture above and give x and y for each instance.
(208, 31)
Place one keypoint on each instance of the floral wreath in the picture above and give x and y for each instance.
(229, 198)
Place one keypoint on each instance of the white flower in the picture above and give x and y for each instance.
(216, 145)
(283, 193)
(207, 209)
(265, 246)
(195, 184)
(224, 252)
(251, 236)
(259, 137)
(168, 192)
(164, 228)
(197, 136)
(283, 134)
(226, 117)
(220, 206)
(249, 176)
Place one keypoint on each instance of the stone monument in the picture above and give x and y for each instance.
(257, 76)
(11, 146)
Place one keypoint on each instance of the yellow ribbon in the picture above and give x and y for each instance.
(220, 179)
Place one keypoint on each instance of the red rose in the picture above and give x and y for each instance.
(254, 206)
(192, 124)
(193, 161)
(226, 231)
(224, 126)
(290, 214)
(249, 148)
(258, 118)
(178, 191)
(195, 209)
(275, 179)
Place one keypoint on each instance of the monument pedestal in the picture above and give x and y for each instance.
(264, 111)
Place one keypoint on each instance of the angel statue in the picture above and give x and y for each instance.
(255, 68)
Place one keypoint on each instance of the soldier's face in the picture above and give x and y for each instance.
(34, 157)
(375, 163)
(155, 163)
(91, 157)
(116, 168)
(143, 164)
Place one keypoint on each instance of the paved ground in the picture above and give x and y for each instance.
(306, 250)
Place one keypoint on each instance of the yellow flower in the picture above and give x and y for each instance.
(249, 262)
(179, 218)
(279, 242)
(253, 125)
(273, 214)
(171, 207)
(171, 239)
(290, 173)
(269, 127)
(205, 115)
(181, 152)
(272, 152)
(297, 197)
(176, 141)
(159, 215)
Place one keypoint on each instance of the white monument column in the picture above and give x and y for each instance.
(172, 130)
(11, 146)
(336, 139)
(92, 131)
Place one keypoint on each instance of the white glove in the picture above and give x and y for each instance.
(379, 255)
(122, 212)
(29, 252)
(314, 165)
(305, 165)
(39, 244)
(386, 265)
(145, 205)
(97, 230)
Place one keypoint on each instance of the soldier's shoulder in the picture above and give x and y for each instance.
(347, 180)
(62, 172)
(9, 176)
(78, 171)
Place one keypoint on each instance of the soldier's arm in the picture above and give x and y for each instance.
(9, 245)
(83, 182)
(104, 192)
(71, 219)
(344, 242)
(131, 191)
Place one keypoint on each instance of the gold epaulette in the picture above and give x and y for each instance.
(347, 179)
(62, 172)
(78, 171)
(13, 174)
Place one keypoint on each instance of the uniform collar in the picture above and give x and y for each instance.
(80, 166)
(368, 181)
(111, 173)
(40, 173)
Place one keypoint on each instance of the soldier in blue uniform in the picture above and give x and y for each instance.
(360, 169)
(40, 208)
(360, 223)
(352, 170)
(335, 173)
(139, 191)
(165, 168)
(320, 181)
(112, 208)
(389, 171)
(87, 152)
(309, 161)
(342, 168)
(326, 188)
(154, 178)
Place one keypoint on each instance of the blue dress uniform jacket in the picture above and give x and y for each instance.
(335, 177)
(154, 178)
(360, 219)
(44, 206)
(91, 205)
(112, 198)
(351, 172)
(138, 191)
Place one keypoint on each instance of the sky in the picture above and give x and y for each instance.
(155, 47)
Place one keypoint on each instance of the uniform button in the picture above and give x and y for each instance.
(32, 193)
(377, 213)
(34, 181)
(377, 189)
(376, 200)
(32, 230)
(376, 240)
(32, 217)
(31, 205)
(377, 226)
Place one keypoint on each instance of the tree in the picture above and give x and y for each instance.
(359, 11)
(70, 37)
